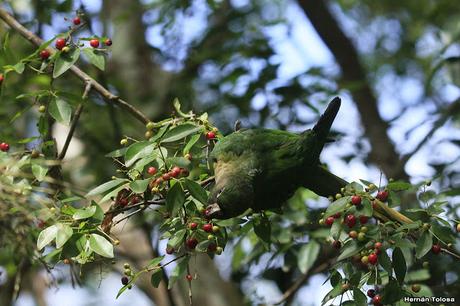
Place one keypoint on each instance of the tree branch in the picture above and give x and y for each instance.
(383, 152)
(105, 93)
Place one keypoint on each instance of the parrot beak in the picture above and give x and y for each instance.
(214, 211)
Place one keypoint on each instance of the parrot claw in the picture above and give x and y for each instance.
(213, 211)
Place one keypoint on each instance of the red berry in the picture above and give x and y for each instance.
(371, 293)
(166, 176)
(373, 258)
(135, 200)
(152, 170)
(184, 172)
(108, 42)
(356, 200)
(212, 247)
(158, 181)
(382, 195)
(337, 215)
(329, 221)
(94, 43)
(4, 147)
(350, 220)
(436, 249)
(191, 243)
(377, 299)
(353, 234)
(175, 171)
(207, 227)
(363, 219)
(189, 277)
(210, 135)
(169, 250)
(60, 43)
(40, 223)
(44, 54)
(76, 20)
(124, 280)
(1, 78)
(193, 225)
(123, 202)
(336, 244)
(378, 245)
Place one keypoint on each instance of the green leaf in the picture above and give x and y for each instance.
(424, 244)
(196, 190)
(191, 143)
(137, 151)
(399, 265)
(96, 57)
(398, 186)
(64, 233)
(117, 153)
(101, 246)
(106, 187)
(262, 228)
(60, 110)
(442, 232)
(336, 228)
(154, 262)
(177, 238)
(307, 256)
(180, 132)
(139, 186)
(64, 61)
(156, 278)
(39, 171)
(336, 291)
(84, 213)
(385, 262)
(46, 236)
(337, 206)
(359, 297)
(349, 249)
(392, 292)
(175, 199)
(178, 271)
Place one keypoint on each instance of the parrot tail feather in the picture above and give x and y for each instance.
(324, 123)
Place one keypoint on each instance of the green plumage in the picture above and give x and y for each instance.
(262, 168)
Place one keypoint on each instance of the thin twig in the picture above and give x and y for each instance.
(108, 96)
(190, 295)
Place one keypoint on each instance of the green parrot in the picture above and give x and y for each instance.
(262, 168)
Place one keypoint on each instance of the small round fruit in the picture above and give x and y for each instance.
(329, 221)
(373, 258)
(356, 200)
(188, 156)
(219, 250)
(66, 261)
(353, 234)
(169, 250)
(42, 109)
(158, 181)
(337, 215)
(124, 142)
(65, 49)
(363, 229)
(152, 170)
(155, 190)
(371, 293)
(4, 147)
(363, 219)
(44, 54)
(193, 225)
(166, 176)
(365, 260)
(128, 272)
(175, 172)
(378, 245)
(361, 236)
(211, 237)
(377, 299)
(426, 226)
(336, 244)
(321, 221)
(76, 20)
(60, 43)
(124, 202)
(212, 247)
(1, 78)
(382, 195)
(436, 249)
(426, 264)
(135, 200)
(108, 42)
(150, 126)
(215, 229)
(210, 135)
(338, 196)
(458, 227)
(345, 287)
(126, 265)
(415, 288)
(191, 243)
(350, 220)
(148, 134)
(94, 43)
(189, 277)
(124, 280)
